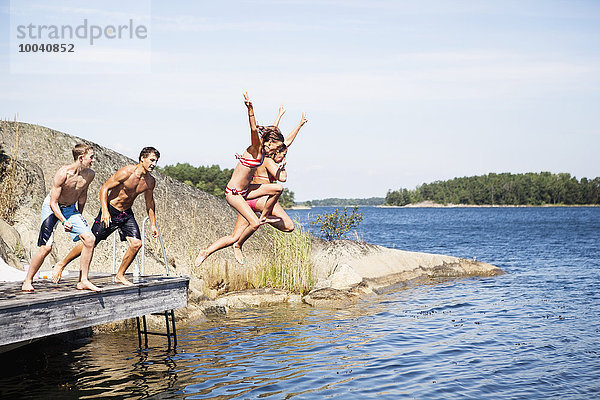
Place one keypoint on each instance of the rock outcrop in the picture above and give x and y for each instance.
(347, 270)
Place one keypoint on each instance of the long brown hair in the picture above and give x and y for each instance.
(270, 133)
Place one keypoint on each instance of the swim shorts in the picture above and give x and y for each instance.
(49, 222)
(122, 220)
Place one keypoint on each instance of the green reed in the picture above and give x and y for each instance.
(287, 263)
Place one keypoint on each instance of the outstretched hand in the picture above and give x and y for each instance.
(247, 100)
(281, 110)
(303, 120)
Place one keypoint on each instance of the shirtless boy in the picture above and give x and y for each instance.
(69, 186)
(116, 198)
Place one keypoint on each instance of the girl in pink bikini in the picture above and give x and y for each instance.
(272, 170)
(239, 189)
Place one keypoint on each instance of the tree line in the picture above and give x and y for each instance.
(212, 180)
(543, 188)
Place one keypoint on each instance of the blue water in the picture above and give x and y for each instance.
(531, 333)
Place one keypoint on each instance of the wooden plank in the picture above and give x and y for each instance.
(60, 308)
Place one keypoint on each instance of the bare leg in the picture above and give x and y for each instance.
(273, 191)
(268, 211)
(87, 251)
(34, 266)
(284, 224)
(266, 217)
(244, 236)
(237, 253)
(134, 247)
(246, 219)
(200, 257)
(224, 241)
(59, 267)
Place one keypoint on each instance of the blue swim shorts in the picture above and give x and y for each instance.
(49, 222)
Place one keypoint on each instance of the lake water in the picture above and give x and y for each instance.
(529, 334)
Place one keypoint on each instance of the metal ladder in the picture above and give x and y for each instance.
(171, 334)
(142, 329)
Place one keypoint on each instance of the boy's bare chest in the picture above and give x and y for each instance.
(135, 185)
(75, 183)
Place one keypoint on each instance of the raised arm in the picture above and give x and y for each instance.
(290, 138)
(280, 113)
(256, 143)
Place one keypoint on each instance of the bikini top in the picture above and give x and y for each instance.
(249, 162)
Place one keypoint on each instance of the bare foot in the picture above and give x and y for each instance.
(201, 257)
(57, 273)
(27, 287)
(269, 219)
(87, 285)
(237, 252)
(123, 280)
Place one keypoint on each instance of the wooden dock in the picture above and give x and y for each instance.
(57, 308)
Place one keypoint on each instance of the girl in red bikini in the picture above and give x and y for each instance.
(272, 170)
(265, 141)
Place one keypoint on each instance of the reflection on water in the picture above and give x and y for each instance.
(531, 333)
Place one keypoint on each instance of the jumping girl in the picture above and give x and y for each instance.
(271, 171)
(239, 189)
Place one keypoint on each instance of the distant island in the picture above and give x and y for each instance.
(338, 202)
(505, 189)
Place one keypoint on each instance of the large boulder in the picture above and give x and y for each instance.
(11, 247)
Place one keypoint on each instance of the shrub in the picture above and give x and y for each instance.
(335, 225)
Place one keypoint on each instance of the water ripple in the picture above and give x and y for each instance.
(528, 334)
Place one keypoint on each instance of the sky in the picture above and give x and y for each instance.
(397, 93)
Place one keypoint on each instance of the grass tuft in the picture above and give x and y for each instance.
(287, 264)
